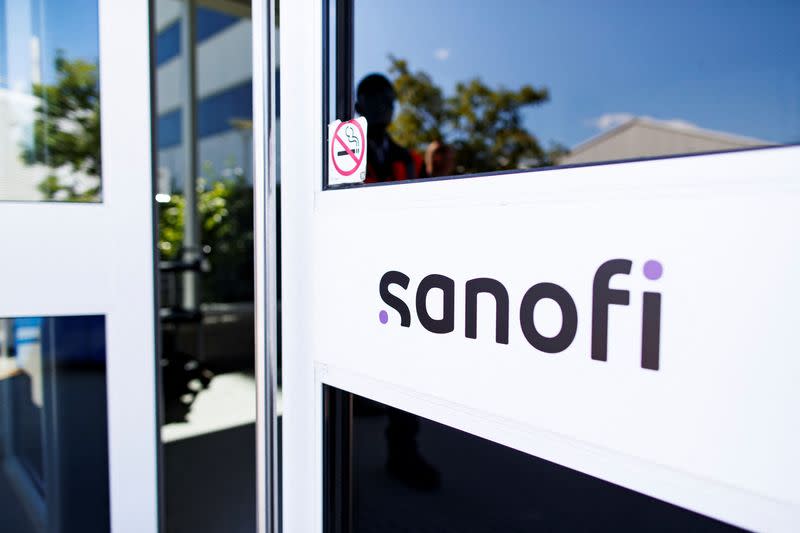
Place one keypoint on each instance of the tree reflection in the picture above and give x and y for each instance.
(225, 207)
(66, 132)
(483, 124)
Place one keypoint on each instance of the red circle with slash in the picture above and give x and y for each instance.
(357, 159)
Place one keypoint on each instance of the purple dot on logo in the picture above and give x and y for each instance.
(384, 317)
(653, 269)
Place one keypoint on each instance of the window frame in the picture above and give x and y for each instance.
(338, 102)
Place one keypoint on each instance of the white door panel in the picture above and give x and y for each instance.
(97, 259)
(708, 430)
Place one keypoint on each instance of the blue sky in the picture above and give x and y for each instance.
(727, 65)
(68, 25)
(72, 26)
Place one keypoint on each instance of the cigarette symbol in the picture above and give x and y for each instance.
(352, 140)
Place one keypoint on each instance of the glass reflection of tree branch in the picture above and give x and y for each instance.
(483, 124)
(66, 132)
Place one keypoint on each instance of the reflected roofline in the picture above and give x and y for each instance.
(672, 126)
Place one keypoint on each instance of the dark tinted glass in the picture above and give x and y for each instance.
(483, 86)
(389, 470)
(53, 429)
(49, 101)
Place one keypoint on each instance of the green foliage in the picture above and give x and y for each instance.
(225, 208)
(170, 227)
(483, 124)
(422, 113)
(66, 132)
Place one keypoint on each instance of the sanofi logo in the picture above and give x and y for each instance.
(603, 296)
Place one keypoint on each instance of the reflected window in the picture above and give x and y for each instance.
(168, 43)
(49, 101)
(203, 102)
(53, 425)
(390, 470)
(476, 87)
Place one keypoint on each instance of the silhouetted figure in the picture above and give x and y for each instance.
(386, 160)
(403, 459)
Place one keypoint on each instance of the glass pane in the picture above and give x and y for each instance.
(389, 470)
(53, 425)
(49, 101)
(478, 87)
(203, 84)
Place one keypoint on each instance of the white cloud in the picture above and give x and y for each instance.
(612, 120)
(441, 54)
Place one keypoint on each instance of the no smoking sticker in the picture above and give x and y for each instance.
(347, 151)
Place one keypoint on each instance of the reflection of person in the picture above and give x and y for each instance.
(404, 461)
(440, 159)
(386, 160)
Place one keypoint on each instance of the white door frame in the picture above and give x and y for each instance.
(301, 178)
(309, 241)
(97, 259)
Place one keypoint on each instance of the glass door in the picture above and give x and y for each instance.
(78, 413)
(546, 279)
